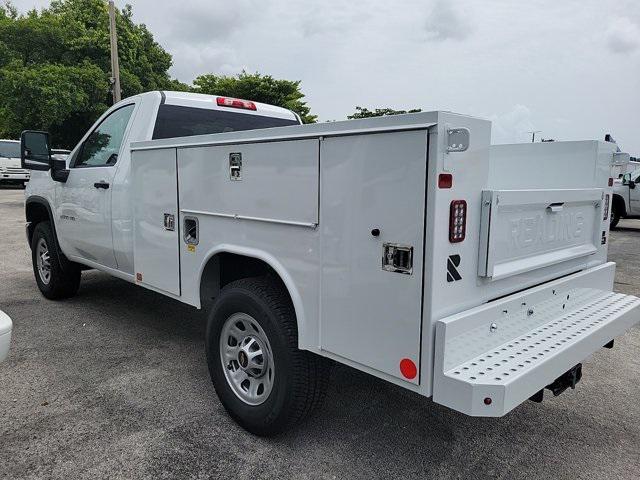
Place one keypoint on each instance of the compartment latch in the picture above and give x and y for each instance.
(397, 258)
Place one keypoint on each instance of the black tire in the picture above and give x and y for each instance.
(300, 378)
(614, 218)
(62, 282)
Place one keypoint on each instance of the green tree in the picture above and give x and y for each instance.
(55, 66)
(363, 112)
(259, 88)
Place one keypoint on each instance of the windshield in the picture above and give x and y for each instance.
(10, 149)
(177, 121)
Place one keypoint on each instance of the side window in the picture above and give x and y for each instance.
(102, 146)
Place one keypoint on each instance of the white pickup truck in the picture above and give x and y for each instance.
(626, 195)
(11, 173)
(405, 246)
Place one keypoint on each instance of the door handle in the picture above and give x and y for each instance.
(101, 184)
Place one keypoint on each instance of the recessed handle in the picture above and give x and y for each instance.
(101, 184)
(555, 207)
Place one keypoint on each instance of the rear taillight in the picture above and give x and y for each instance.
(610, 182)
(457, 221)
(606, 207)
(235, 103)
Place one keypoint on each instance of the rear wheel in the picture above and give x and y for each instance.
(614, 217)
(261, 377)
(53, 281)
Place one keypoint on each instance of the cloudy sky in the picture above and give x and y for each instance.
(569, 68)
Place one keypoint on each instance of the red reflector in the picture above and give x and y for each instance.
(408, 368)
(457, 221)
(610, 182)
(235, 103)
(487, 400)
(445, 180)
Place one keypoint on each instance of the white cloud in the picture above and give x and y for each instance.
(623, 35)
(447, 21)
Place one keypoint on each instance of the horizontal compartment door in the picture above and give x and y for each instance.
(523, 230)
(273, 182)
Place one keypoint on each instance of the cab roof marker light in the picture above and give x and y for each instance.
(235, 103)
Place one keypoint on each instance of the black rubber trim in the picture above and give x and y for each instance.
(43, 201)
(163, 97)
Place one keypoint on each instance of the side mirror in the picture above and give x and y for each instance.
(632, 184)
(35, 150)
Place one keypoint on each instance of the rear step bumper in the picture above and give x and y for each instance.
(492, 358)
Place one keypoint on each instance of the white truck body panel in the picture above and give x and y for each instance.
(382, 173)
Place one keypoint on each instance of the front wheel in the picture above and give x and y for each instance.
(261, 377)
(54, 282)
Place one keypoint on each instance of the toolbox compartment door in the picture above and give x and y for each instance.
(156, 228)
(373, 207)
(524, 230)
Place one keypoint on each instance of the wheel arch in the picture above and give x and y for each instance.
(37, 209)
(617, 201)
(211, 275)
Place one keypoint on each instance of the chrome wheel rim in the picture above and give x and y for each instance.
(247, 358)
(43, 261)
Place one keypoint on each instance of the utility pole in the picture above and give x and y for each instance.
(115, 66)
(533, 135)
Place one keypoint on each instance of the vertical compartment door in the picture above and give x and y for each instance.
(372, 224)
(155, 220)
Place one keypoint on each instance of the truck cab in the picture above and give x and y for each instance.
(88, 195)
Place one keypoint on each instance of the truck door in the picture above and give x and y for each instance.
(84, 200)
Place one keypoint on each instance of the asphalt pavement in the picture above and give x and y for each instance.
(113, 384)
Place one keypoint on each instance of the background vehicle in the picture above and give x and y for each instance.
(11, 171)
(403, 246)
(626, 197)
(5, 335)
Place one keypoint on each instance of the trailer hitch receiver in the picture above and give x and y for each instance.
(566, 380)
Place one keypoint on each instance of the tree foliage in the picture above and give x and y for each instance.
(259, 88)
(55, 70)
(363, 112)
(55, 66)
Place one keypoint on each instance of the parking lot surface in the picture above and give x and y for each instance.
(113, 384)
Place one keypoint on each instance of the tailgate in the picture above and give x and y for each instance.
(491, 358)
(523, 230)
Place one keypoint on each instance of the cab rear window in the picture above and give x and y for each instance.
(178, 121)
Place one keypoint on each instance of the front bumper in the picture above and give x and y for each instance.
(5, 335)
(14, 176)
(492, 358)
